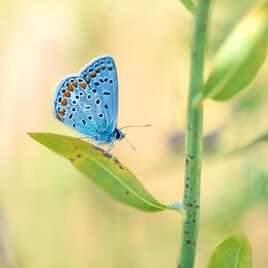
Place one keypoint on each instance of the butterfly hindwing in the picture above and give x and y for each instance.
(88, 102)
(101, 75)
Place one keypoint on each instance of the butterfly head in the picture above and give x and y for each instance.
(119, 135)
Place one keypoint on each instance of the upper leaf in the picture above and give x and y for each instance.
(240, 57)
(189, 5)
(103, 169)
(233, 252)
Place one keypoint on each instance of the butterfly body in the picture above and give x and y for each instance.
(88, 101)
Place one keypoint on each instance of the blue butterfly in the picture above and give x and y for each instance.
(88, 101)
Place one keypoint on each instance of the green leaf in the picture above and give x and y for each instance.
(233, 252)
(189, 5)
(104, 170)
(240, 57)
(242, 148)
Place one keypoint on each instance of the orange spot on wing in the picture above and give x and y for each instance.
(63, 102)
(70, 88)
(74, 84)
(93, 74)
(62, 112)
(66, 94)
(83, 85)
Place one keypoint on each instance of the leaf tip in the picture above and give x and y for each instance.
(33, 135)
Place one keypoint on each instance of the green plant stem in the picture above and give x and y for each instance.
(194, 138)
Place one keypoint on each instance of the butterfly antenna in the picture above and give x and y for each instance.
(130, 145)
(146, 125)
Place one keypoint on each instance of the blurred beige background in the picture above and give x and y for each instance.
(53, 216)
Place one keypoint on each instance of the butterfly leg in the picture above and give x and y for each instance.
(110, 147)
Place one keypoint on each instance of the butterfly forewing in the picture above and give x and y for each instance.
(101, 75)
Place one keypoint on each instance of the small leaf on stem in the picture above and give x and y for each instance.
(233, 252)
(189, 5)
(240, 57)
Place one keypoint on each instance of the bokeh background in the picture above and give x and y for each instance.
(50, 215)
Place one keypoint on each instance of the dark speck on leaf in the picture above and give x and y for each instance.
(76, 157)
(118, 163)
(98, 149)
(106, 154)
